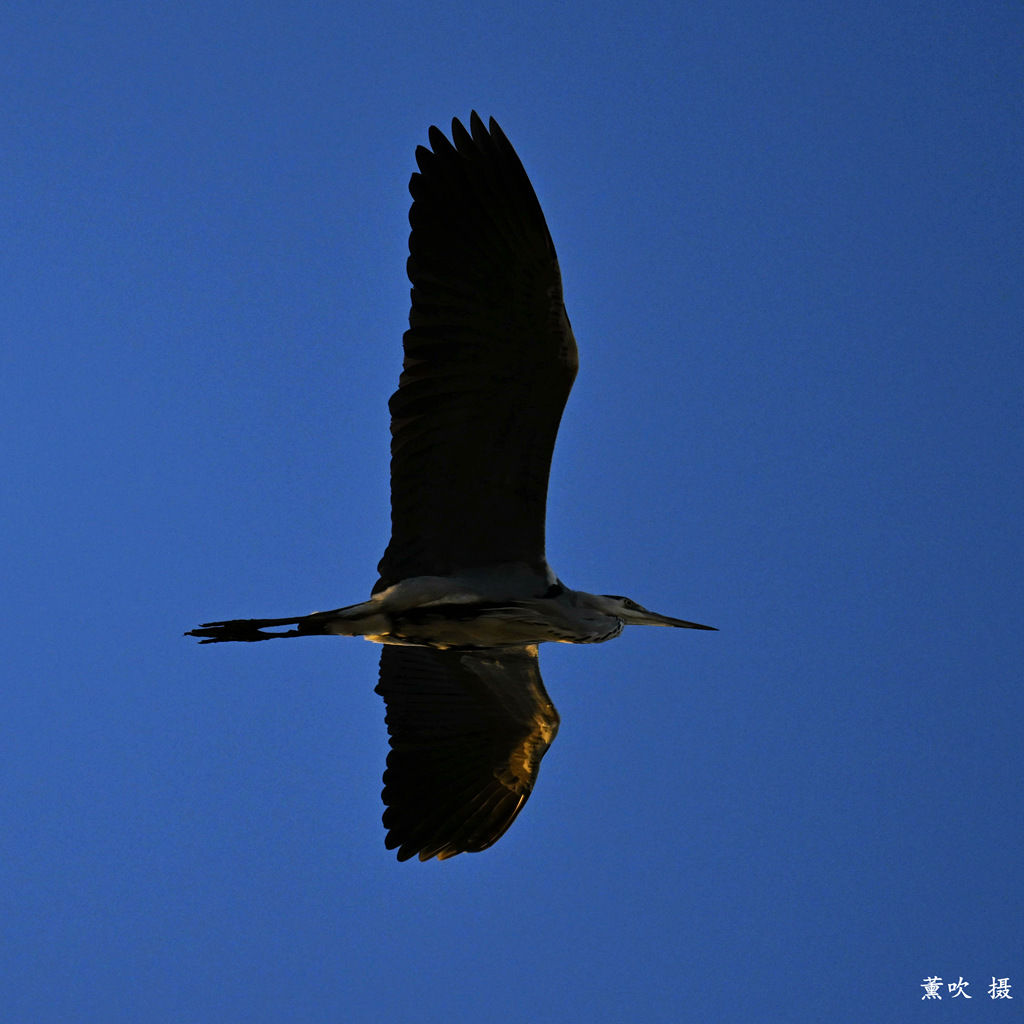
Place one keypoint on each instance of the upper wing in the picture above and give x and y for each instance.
(489, 362)
(468, 730)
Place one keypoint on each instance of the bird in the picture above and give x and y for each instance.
(465, 593)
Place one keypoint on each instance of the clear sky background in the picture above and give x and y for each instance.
(791, 240)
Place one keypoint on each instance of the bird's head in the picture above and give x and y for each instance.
(633, 614)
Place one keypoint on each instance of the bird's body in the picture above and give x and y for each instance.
(468, 613)
(465, 592)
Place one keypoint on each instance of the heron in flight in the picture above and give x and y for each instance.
(465, 594)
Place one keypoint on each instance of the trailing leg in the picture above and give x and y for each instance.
(355, 620)
(249, 630)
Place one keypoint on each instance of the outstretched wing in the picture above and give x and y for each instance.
(468, 730)
(489, 362)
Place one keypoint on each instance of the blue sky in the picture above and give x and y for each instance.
(790, 236)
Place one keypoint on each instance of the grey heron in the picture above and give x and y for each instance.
(465, 593)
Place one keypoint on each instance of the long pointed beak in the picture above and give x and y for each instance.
(654, 619)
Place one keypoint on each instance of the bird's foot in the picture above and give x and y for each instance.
(244, 630)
